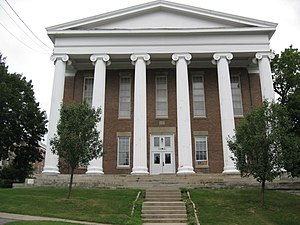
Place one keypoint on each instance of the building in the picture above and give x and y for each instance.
(172, 80)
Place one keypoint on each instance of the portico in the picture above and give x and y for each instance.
(142, 60)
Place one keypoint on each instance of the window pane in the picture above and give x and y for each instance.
(156, 141)
(123, 151)
(236, 95)
(167, 158)
(201, 148)
(156, 158)
(161, 96)
(88, 90)
(125, 96)
(198, 96)
(167, 141)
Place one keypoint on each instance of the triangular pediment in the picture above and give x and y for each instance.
(162, 15)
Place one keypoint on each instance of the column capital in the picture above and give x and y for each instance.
(261, 55)
(63, 57)
(217, 56)
(144, 56)
(104, 57)
(176, 56)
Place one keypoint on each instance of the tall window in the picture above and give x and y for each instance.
(123, 151)
(88, 90)
(125, 96)
(198, 96)
(201, 150)
(236, 95)
(161, 96)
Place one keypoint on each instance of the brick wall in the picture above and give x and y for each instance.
(211, 124)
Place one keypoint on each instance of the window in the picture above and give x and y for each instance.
(88, 90)
(236, 95)
(201, 150)
(123, 151)
(198, 96)
(125, 96)
(161, 96)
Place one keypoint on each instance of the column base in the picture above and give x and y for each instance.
(185, 170)
(50, 170)
(139, 171)
(94, 170)
(230, 170)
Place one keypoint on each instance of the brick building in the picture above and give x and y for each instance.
(172, 80)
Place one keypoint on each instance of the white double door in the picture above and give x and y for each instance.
(162, 154)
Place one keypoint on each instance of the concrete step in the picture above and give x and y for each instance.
(170, 204)
(165, 199)
(162, 208)
(165, 224)
(165, 216)
(163, 211)
(164, 221)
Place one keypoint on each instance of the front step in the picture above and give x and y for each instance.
(164, 206)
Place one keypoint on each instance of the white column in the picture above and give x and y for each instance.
(140, 115)
(265, 75)
(185, 158)
(96, 165)
(226, 107)
(51, 160)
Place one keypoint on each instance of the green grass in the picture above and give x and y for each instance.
(95, 205)
(40, 223)
(241, 207)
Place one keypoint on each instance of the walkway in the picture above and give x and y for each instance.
(11, 216)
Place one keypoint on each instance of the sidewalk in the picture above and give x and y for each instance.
(11, 216)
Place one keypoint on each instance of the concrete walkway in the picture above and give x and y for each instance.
(11, 217)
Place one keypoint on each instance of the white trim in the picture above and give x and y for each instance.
(206, 149)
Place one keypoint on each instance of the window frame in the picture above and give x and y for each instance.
(239, 89)
(160, 75)
(201, 163)
(194, 75)
(84, 92)
(122, 76)
(118, 151)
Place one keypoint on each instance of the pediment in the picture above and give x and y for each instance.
(161, 15)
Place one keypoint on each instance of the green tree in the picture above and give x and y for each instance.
(286, 73)
(259, 142)
(77, 140)
(22, 125)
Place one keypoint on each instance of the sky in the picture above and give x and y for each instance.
(28, 56)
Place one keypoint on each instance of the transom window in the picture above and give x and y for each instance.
(88, 90)
(125, 96)
(198, 96)
(236, 95)
(161, 96)
(123, 151)
(201, 150)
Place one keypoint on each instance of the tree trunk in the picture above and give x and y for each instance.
(71, 182)
(262, 200)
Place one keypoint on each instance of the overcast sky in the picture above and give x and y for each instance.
(32, 59)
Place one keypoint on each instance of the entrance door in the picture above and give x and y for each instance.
(162, 154)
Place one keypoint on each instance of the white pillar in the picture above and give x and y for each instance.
(265, 75)
(140, 115)
(226, 107)
(51, 160)
(96, 165)
(185, 158)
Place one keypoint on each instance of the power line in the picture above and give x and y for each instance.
(20, 40)
(27, 26)
(22, 29)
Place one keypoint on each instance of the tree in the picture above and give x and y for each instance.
(77, 140)
(259, 142)
(286, 77)
(286, 73)
(23, 124)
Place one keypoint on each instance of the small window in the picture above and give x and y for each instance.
(123, 151)
(236, 95)
(125, 96)
(88, 90)
(161, 96)
(201, 150)
(198, 96)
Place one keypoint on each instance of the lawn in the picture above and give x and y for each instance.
(40, 223)
(95, 205)
(241, 207)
